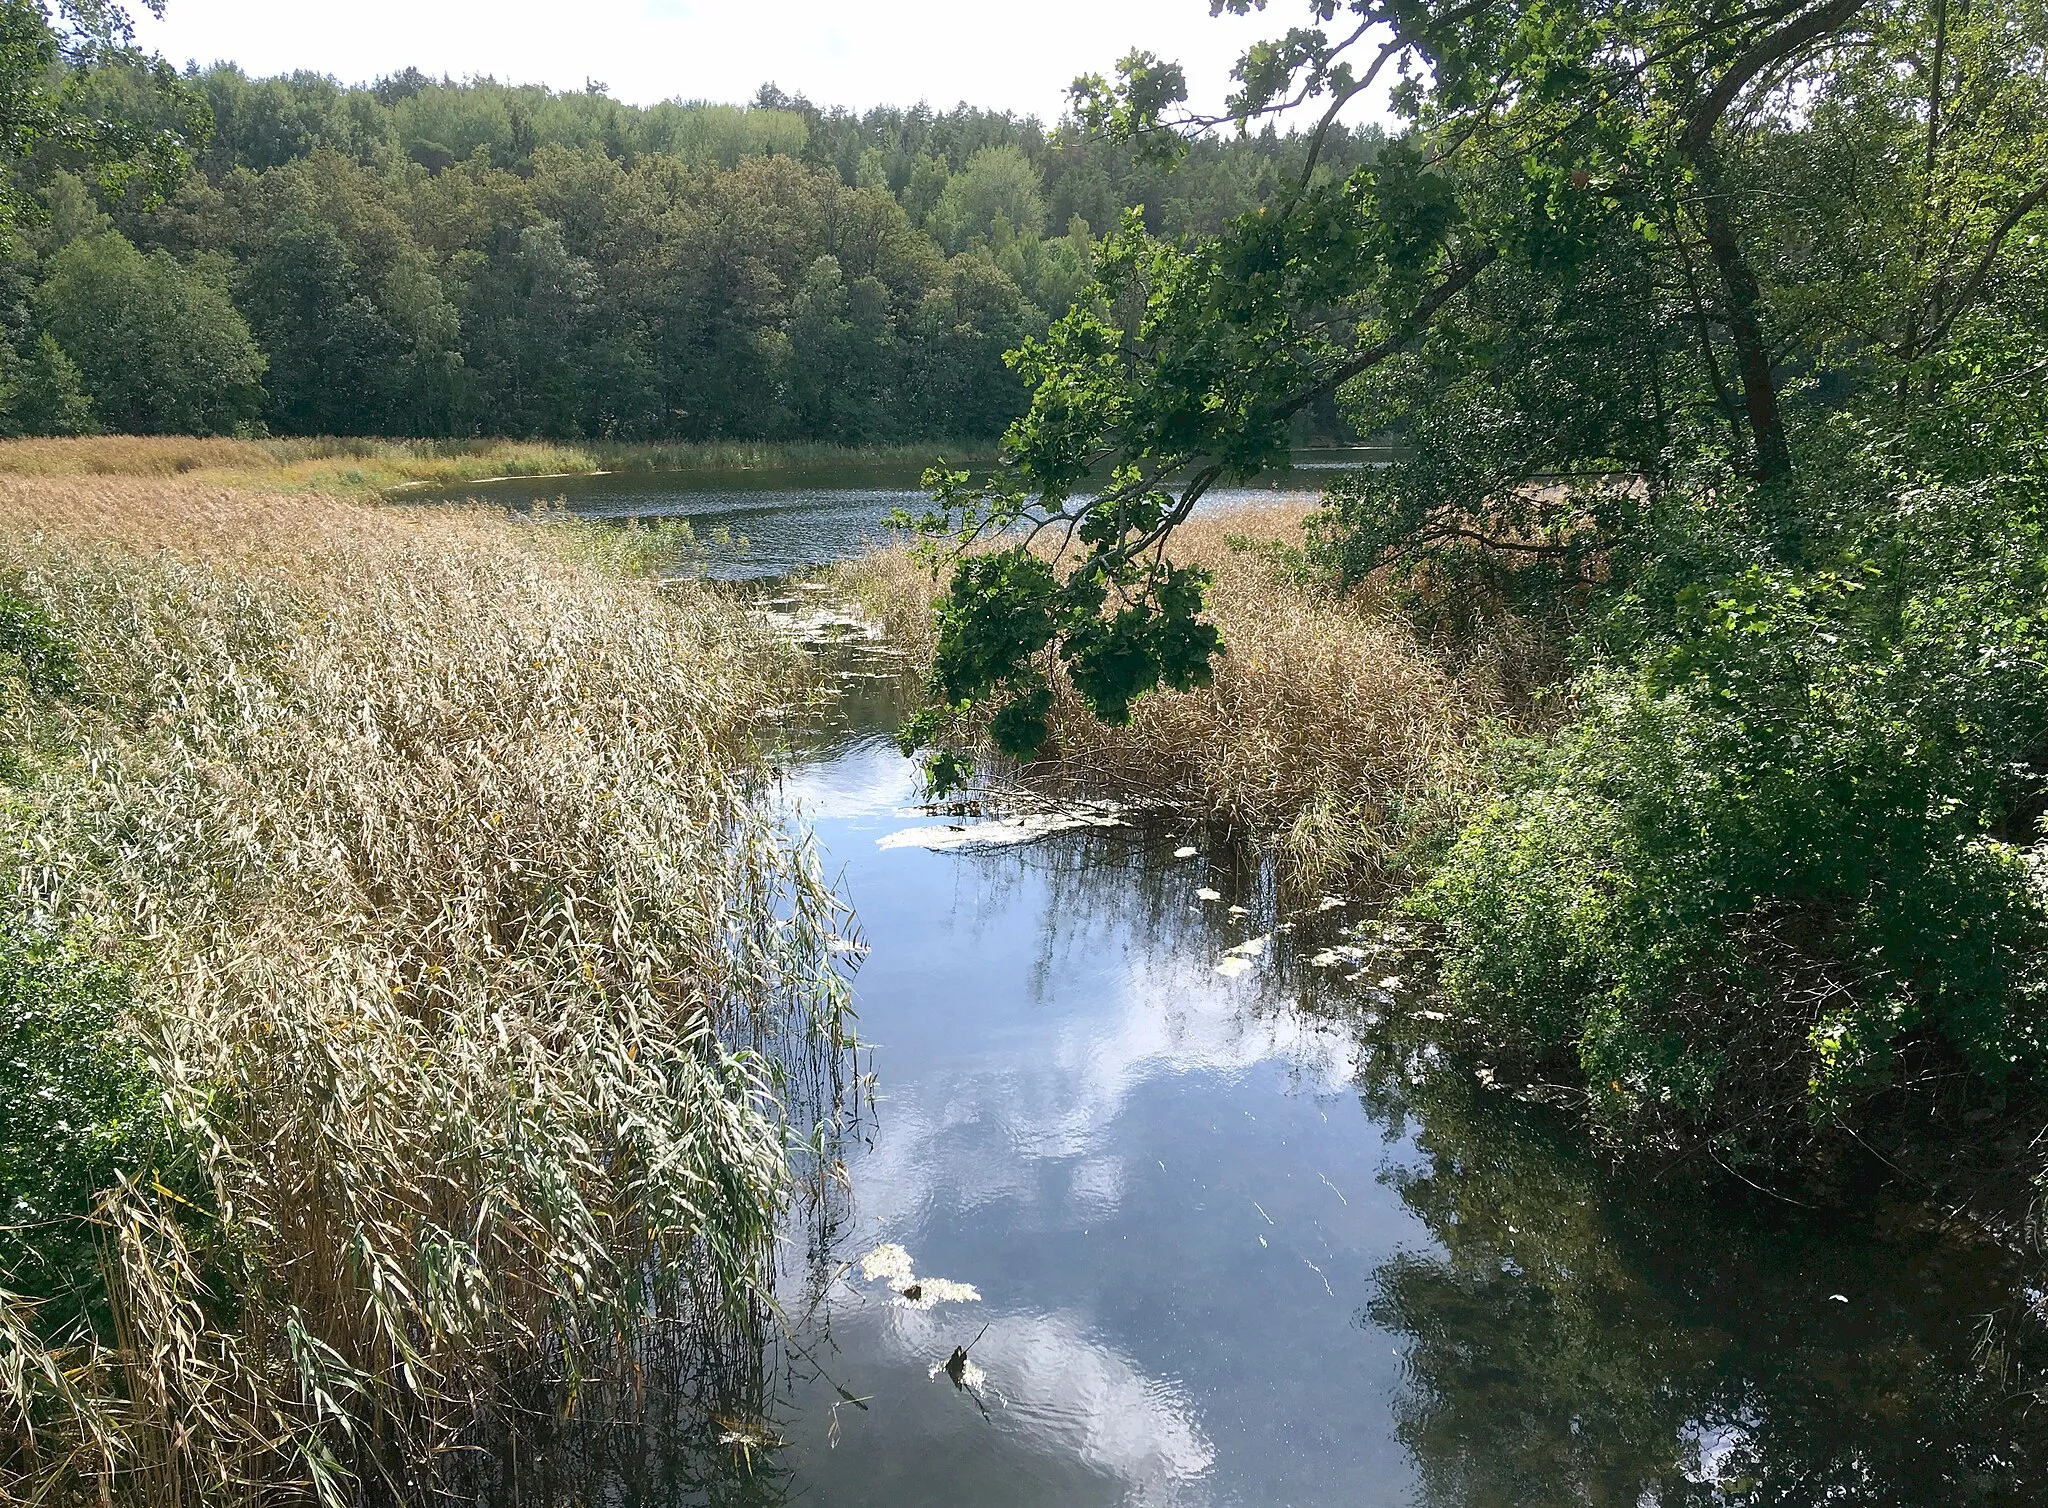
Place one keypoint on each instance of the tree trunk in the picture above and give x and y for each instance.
(1771, 457)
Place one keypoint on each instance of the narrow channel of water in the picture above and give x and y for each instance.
(1236, 1234)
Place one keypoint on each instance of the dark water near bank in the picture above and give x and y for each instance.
(759, 524)
(1248, 1238)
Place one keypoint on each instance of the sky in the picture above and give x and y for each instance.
(858, 53)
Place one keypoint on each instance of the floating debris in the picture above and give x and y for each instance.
(1239, 911)
(966, 1376)
(1236, 960)
(746, 1436)
(1185, 853)
(999, 832)
(846, 945)
(888, 1261)
(1329, 958)
(1329, 903)
(819, 624)
(926, 1292)
(845, 1399)
(1206, 894)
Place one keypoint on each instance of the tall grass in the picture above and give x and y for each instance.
(362, 467)
(1329, 727)
(466, 960)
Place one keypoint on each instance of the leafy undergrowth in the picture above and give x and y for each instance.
(1329, 727)
(408, 980)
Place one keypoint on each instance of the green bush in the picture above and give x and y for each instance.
(33, 648)
(77, 1103)
(1787, 846)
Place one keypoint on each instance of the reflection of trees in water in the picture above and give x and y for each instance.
(1578, 1337)
(856, 689)
(678, 1420)
(1585, 1338)
(689, 1414)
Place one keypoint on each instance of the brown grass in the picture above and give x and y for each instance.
(347, 467)
(464, 953)
(1329, 727)
(358, 467)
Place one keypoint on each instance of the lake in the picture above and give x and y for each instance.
(1169, 1155)
(756, 525)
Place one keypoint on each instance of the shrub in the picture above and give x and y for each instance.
(78, 1106)
(1783, 851)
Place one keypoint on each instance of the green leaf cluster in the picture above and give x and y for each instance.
(78, 1106)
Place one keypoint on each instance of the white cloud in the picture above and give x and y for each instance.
(1074, 1396)
(1163, 1019)
(839, 52)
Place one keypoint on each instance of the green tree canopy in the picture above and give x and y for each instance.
(998, 183)
(161, 347)
(58, 66)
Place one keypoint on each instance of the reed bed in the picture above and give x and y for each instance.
(470, 969)
(361, 467)
(1329, 728)
(346, 466)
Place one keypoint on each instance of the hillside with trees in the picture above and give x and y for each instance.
(427, 257)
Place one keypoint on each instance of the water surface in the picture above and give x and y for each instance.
(760, 524)
(1250, 1238)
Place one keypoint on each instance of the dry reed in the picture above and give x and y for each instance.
(347, 467)
(1329, 727)
(468, 962)
(360, 467)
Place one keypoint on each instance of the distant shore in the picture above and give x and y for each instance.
(363, 467)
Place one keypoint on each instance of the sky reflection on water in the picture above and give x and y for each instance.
(1246, 1241)
(1158, 1184)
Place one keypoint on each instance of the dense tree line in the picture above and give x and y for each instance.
(423, 257)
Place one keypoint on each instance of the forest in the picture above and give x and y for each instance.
(427, 257)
